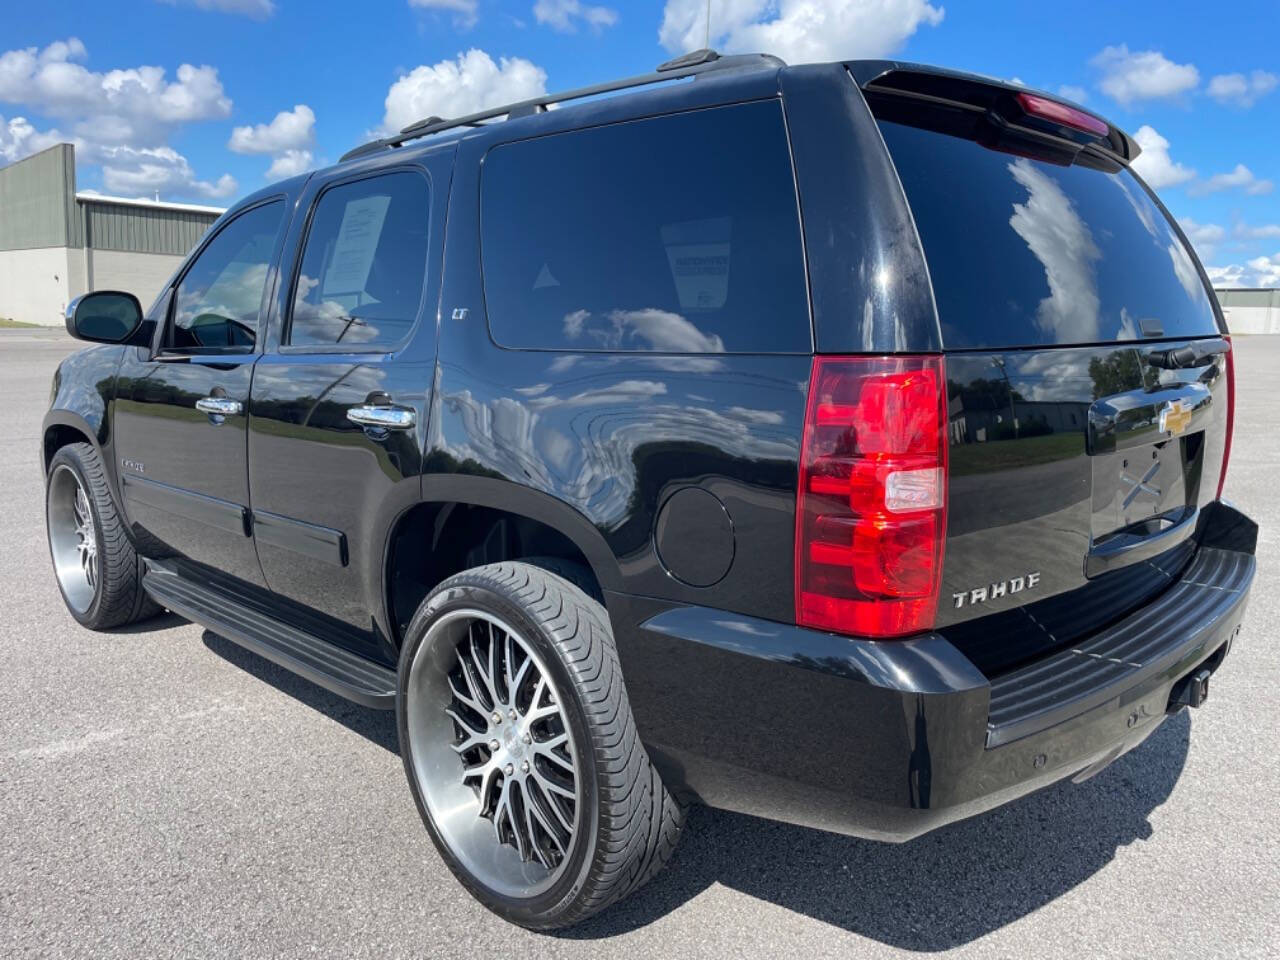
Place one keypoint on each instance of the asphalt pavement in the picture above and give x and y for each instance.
(164, 793)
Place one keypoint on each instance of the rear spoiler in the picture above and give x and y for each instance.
(998, 99)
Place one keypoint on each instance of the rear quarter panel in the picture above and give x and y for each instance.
(610, 437)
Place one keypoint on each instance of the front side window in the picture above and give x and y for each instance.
(364, 264)
(219, 297)
(678, 234)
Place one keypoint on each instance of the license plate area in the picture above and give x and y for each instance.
(1146, 454)
(1133, 487)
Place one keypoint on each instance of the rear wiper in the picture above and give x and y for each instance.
(1194, 354)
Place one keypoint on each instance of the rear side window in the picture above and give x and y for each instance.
(1027, 252)
(678, 234)
(364, 264)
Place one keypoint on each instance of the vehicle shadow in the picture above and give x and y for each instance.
(377, 726)
(161, 621)
(939, 891)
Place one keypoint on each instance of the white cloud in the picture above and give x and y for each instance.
(1247, 232)
(290, 163)
(1078, 94)
(1266, 270)
(1241, 178)
(659, 330)
(464, 11)
(254, 9)
(135, 104)
(1238, 90)
(1185, 270)
(1142, 75)
(562, 14)
(1203, 236)
(1228, 276)
(147, 171)
(799, 31)
(287, 139)
(1052, 229)
(1154, 164)
(119, 119)
(290, 130)
(467, 84)
(19, 138)
(1258, 272)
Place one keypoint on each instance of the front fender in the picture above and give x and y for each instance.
(84, 387)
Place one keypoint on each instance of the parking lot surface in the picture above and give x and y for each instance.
(164, 793)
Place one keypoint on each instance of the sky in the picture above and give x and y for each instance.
(207, 100)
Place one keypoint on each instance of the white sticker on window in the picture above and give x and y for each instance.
(357, 241)
(698, 251)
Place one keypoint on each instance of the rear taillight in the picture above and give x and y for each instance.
(872, 503)
(1060, 113)
(1231, 415)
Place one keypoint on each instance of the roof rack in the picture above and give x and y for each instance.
(687, 65)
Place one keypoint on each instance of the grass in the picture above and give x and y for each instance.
(6, 324)
(972, 458)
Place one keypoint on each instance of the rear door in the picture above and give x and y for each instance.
(340, 399)
(179, 416)
(1079, 460)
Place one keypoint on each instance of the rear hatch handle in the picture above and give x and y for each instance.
(1141, 542)
(1194, 354)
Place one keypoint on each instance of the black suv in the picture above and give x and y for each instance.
(841, 444)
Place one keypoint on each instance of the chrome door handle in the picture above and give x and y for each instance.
(219, 406)
(383, 417)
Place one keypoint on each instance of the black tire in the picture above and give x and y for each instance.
(117, 597)
(575, 573)
(630, 823)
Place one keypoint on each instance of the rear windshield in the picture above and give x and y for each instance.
(1027, 252)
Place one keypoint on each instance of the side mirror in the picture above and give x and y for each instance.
(104, 316)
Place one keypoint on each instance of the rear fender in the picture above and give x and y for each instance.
(514, 498)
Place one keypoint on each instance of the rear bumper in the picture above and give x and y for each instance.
(890, 740)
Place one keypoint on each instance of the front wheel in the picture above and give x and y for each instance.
(521, 751)
(97, 569)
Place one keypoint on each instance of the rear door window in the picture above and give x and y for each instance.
(1027, 252)
(678, 234)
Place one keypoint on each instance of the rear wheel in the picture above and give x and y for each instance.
(97, 569)
(521, 750)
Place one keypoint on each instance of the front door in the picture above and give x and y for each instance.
(181, 407)
(340, 397)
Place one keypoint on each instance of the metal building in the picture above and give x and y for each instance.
(56, 244)
(1255, 310)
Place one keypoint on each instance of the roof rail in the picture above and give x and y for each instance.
(688, 65)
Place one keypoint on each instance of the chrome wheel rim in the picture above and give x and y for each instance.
(73, 538)
(492, 753)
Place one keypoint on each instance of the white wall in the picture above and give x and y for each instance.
(35, 284)
(142, 274)
(1252, 319)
